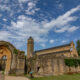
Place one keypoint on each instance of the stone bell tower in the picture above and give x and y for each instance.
(30, 47)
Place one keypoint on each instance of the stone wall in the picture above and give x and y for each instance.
(52, 66)
(20, 64)
(15, 61)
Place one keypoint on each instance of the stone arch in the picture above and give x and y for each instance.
(7, 49)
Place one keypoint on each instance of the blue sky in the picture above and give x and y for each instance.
(49, 22)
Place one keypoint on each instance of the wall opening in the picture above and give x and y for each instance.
(5, 59)
(38, 68)
(3, 63)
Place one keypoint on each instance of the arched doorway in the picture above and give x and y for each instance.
(5, 59)
(3, 63)
(15, 59)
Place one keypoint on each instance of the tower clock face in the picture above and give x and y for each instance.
(71, 49)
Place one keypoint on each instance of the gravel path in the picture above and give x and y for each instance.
(15, 78)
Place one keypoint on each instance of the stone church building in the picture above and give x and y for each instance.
(50, 61)
(42, 62)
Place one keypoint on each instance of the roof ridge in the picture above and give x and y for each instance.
(54, 47)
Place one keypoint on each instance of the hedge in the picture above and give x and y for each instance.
(72, 62)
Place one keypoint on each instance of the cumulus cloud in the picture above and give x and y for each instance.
(26, 26)
(61, 22)
(17, 6)
(66, 29)
(73, 28)
(32, 8)
(4, 35)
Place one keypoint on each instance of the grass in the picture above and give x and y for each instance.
(61, 77)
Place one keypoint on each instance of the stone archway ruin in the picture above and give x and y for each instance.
(6, 52)
(15, 58)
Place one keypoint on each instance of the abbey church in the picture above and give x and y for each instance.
(50, 61)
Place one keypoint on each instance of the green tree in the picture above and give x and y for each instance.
(78, 47)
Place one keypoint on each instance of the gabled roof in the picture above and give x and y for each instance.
(53, 47)
(66, 51)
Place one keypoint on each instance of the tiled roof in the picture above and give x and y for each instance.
(53, 47)
(55, 52)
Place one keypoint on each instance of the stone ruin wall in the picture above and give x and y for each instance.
(55, 66)
(52, 66)
(15, 61)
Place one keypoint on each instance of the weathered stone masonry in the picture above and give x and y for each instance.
(43, 62)
(15, 59)
(51, 61)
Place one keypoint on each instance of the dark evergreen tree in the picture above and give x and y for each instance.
(78, 47)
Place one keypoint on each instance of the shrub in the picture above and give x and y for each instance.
(15, 51)
(72, 62)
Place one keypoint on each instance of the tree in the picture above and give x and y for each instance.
(78, 47)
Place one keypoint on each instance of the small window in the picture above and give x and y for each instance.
(4, 58)
(71, 49)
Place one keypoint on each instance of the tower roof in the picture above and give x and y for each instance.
(30, 38)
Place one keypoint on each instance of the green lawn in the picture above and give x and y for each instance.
(62, 77)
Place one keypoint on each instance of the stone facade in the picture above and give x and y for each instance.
(67, 50)
(51, 61)
(43, 62)
(14, 59)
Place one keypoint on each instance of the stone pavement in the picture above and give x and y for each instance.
(15, 78)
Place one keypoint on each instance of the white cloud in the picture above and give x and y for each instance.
(26, 26)
(4, 7)
(60, 24)
(23, 1)
(66, 28)
(4, 19)
(73, 28)
(64, 41)
(63, 29)
(63, 19)
(43, 45)
(4, 35)
(14, 7)
(51, 41)
(32, 8)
